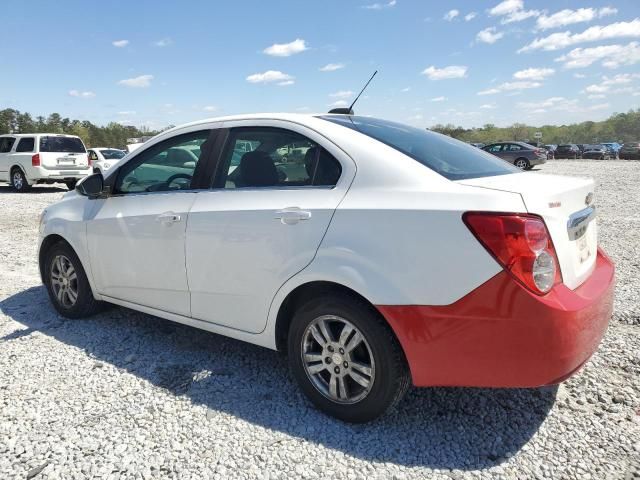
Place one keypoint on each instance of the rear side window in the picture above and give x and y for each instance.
(61, 144)
(450, 158)
(275, 157)
(6, 144)
(25, 144)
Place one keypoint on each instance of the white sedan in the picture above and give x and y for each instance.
(102, 159)
(384, 256)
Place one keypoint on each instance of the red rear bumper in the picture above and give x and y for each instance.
(501, 335)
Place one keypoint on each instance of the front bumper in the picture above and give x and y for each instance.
(501, 335)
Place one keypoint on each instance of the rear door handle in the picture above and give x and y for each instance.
(292, 215)
(168, 218)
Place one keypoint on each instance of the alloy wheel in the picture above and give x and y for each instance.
(17, 180)
(521, 164)
(64, 281)
(337, 359)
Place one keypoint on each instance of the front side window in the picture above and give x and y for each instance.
(59, 144)
(25, 144)
(6, 143)
(166, 166)
(453, 159)
(273, 157)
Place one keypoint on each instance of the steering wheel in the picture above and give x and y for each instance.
(175, 177)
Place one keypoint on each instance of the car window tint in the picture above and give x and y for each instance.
(166, 166)
(494, 148)
(61, 144)
(273, 157)
(25, 144)
(6, 144)
(512, 147)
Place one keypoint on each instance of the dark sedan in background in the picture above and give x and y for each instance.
(521, 154)
(567, 150)
(630, 151)
(597, 152)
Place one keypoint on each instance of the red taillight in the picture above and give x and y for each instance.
(521, 244)
(35, 160)
(89, 161)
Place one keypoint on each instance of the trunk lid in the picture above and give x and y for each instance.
(566, 205)
(62, 152)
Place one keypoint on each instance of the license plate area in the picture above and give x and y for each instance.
(66, 161)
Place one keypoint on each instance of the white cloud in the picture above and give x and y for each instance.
(380, 6)
(596, 96)
(489, 35)
(341, 94)
(286, 82)
(438, 99)
(611, 56)
(559, 40)
(608, 82)
(569, 17)
(470, 16)
(142, 81)
(511, 86)
(506, 7)
(533, 74)
(332, 67)
(76, 93)
(120, 43)
(579, 75)
(488, 106)
(519, 16)
(271, 76)
(559, 104)
(127, 112)
(406, 89)
(452, 71)
(165, 42)
(451, 14)
(339, 103)
(210, 108)
(286, 49)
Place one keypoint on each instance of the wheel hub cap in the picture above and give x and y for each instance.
(64, 281)
(337, 359)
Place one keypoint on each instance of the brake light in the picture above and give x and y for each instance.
(35, 160)
(521, 244)
(89, 161)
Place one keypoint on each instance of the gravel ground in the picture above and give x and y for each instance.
(127, 395)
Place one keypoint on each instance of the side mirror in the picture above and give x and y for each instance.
(91, 186)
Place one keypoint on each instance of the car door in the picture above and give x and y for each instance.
(511, 151)
(6, 144)
(262, 221)
(136, 235)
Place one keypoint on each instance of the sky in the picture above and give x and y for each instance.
(466, 62)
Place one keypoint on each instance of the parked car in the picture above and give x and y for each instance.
(611, 150)
(596, 152)
(551, 149)
(630, 151)
(31, 158)
(522, 155)
(568, 150)
(403, 256)
(102, 159)
(614, 147)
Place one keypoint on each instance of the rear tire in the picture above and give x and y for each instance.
(67, 283)
(522, 164)
(19, 181)
(354, 382)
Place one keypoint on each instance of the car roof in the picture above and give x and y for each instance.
(38, 135)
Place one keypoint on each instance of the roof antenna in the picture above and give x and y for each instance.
(349, 111)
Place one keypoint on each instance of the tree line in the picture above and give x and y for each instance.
(619, 127)
(111, 135)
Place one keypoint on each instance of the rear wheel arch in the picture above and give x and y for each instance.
(305, 292)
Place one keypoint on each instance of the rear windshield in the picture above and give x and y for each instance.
(61, 144)
(450, 158)
(112, 154)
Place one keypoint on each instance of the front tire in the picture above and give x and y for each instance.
(346, 359)
(67, 283)
(19, 181)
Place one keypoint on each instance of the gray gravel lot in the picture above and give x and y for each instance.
(127, 395)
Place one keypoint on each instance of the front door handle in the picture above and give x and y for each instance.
(168, 218)
(292, 215)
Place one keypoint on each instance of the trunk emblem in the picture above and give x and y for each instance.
(588, 199)
(555, 204)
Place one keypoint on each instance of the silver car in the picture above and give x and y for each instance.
(521, 154)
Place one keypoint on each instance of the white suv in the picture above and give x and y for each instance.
(30, 158)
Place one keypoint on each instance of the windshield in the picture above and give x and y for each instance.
(61, 144)
(112, 154)
(453, 159)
